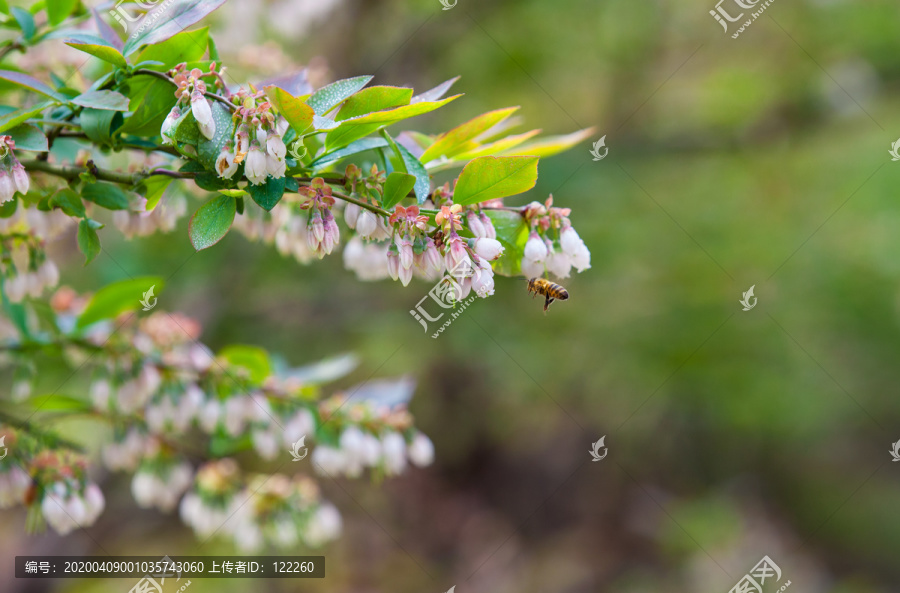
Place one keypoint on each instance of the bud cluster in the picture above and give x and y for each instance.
(553, 244)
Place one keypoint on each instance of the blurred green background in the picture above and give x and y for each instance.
(761, 160)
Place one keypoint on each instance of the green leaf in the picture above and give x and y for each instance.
(154, 187)
(185, 129)
(29, 137)
(414, 166)
(396, 187)
(59, 10)
(211, 222)
(459, 139)
(14, 118)
(178, 16)
(351, 149)
(209, 149)
(186, 46)
(498, 147)
(8, 208)
(267, 194)
(32, 84)
(105, 195)
(88, 241)
(234, 193)
(374, 98)
(57, 402)
(69, 202)
(330, 96)
(110, 100)
(358, 127)
(551, 145)
(97, 124)
(113, 300)
(25, 21)
(252, 358)
(4, 7)
(512, 232)
(296, 112)
(107, 53)
(489, 177)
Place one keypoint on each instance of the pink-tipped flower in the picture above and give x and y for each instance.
(243, 141)
(393, 263)
(261, 135)
(255, 170)
(7, 187)
(168, 123)
(203, 114)
(366, 223)
(406, 252)
(281, 126)
(457, 258)
(332, 233)
(405, 275)
(276, 167)
(225, 165)
(489, 249)
(475, 225)
(431, 257)
(570, 241)
(559, 264)
(581, 259)
(275, 146)
(351, 214)
(489, 231)
(532, 269)
(535, 248)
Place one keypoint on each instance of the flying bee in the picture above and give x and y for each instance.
(552, 292)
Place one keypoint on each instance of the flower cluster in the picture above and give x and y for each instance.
(322, 232)
(69, 500)
(276, 510)
(553, 244)
(13, 177)
(257, 142)
(159, 388)
(190, 96)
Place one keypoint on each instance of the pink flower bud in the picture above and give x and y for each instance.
(393, 264)
(203, 114)
(431, 256)
(489, 231)
(20, 177)
(475, 224)
(406, 275)
(7, 188)
(406, 252)
(168, 123)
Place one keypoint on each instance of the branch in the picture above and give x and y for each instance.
(70, 173)
(167, 78)
(83, 136)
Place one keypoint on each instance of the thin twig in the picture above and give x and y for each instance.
(169, 79)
